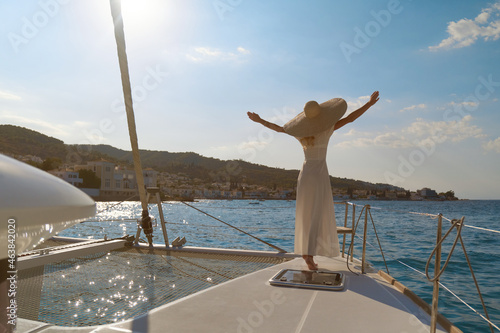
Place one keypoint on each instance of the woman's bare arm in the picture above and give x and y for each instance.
(356, 114)
(255, 117)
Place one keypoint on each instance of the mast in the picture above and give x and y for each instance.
(127, 95)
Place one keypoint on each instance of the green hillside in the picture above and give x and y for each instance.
(15, 140)
(206, 169)
(210, 169)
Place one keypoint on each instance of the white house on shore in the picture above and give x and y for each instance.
(117, 182)
(69, 176)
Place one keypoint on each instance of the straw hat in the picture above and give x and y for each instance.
(316, 118)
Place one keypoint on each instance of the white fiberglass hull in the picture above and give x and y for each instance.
(34, 205)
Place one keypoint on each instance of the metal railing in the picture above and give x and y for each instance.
(436, 253)
(367, 216)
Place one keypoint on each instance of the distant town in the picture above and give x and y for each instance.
(106, 181)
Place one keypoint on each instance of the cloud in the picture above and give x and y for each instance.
(456, 106)
(59, 131)
(242, 50)
(10, 96)
(454, 131)
(492, 145)
(413, 107)
(418, 132)
(390, 139)
(221, 148)
(356, 104)
(38, 125)
(206, 54)
(259, 145)
(352, 132)
(466, 32)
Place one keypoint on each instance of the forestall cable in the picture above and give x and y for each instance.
(229, 225)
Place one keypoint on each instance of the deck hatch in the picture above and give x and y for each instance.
(325, 280)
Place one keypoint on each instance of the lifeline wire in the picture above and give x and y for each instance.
(484, 229)
(351, 246)
(441, 284)
(455, 224)
(430, 215)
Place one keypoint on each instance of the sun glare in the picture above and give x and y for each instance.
(141, 15)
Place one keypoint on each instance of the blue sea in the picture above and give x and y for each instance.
(407, 236)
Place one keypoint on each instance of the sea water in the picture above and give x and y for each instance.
(406, 230)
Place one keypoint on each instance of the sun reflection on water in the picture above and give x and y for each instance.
(122, 284)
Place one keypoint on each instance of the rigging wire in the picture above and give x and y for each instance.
(192, 225)
(454, 224)
(229, 225)
(116, 204)
(351, 246)
(250, 208)
(458, 224)
(440, 283)
(378, 240)
(433, 216)
(474, 278)
(484, 229)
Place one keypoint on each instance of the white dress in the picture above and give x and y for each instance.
(315, 227)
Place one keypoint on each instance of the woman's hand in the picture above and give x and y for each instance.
(373, 99)
(356, 114)
(254, 116)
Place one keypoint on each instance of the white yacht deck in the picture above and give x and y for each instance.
(247, 304)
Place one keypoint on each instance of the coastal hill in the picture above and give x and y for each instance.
(16, 140)
(20, 141)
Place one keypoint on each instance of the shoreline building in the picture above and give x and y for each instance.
(117, 182)
(71, 177)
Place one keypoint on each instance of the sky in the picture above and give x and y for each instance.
(197, 67)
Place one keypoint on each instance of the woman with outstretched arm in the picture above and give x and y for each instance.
(315, 227)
